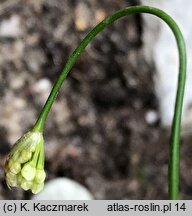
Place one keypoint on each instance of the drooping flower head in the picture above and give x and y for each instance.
(25, 164)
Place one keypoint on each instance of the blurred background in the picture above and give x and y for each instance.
(108, 129)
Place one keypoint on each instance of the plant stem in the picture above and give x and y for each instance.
(175, 132)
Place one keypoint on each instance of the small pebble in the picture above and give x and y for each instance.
(151, 117)
(10, 28)
(43, 85)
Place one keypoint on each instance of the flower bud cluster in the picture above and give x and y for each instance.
(25, 164)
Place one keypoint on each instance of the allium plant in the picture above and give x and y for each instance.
(25, 164)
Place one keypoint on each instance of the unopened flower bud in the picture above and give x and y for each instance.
(12, 179)
(28, 172)
(26, 185)
(37, 187)
(14, 166)
(25, 156)
(40, 176)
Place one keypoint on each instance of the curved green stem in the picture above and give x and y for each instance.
(175, 134)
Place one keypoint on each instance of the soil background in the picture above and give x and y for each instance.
(97, 132)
